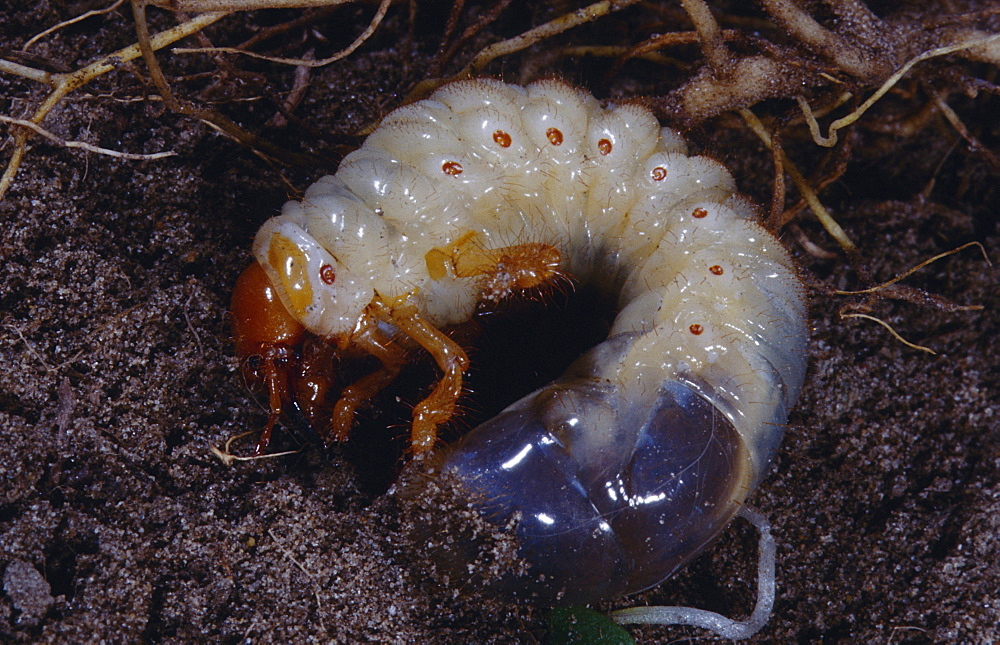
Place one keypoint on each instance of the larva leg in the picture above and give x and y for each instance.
(504, 270)
(439, 407)
(316, 374)
(369, 338)
(275, 362)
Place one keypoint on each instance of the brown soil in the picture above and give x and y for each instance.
(117, 375)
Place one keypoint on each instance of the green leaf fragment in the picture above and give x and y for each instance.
(579, 625)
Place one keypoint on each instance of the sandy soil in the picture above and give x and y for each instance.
(117, 375)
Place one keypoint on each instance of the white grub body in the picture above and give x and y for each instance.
(708, 300)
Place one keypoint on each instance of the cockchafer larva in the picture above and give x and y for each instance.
(644, 450)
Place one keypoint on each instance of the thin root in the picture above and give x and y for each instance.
(975, 145)
(309, 574)
(827, 220)
(831, 138)
(199, 6)
(891, 330)
(86, 146)
(227, 457)
(717, 623)
(541, 32)
(809, 246)
(910, 272)
(64, 84)
(383, 8)
(72, 21)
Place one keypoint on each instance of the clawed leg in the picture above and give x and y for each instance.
(430, 413)
(439, 406)
(369, 338)
(275, 361)
(316, 375)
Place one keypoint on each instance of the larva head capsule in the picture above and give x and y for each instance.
(315, 287)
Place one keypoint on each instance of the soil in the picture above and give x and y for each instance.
(117, 376)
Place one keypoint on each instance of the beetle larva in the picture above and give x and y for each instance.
(632, 461)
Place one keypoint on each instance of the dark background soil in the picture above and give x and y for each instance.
(117, 372)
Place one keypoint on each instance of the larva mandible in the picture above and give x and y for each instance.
(627, 465)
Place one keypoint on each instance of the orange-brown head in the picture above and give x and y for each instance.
(259, 318)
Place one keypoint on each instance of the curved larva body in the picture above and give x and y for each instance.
(632, 461)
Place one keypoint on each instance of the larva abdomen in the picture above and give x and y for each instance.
(631, 462)
(611, 500)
